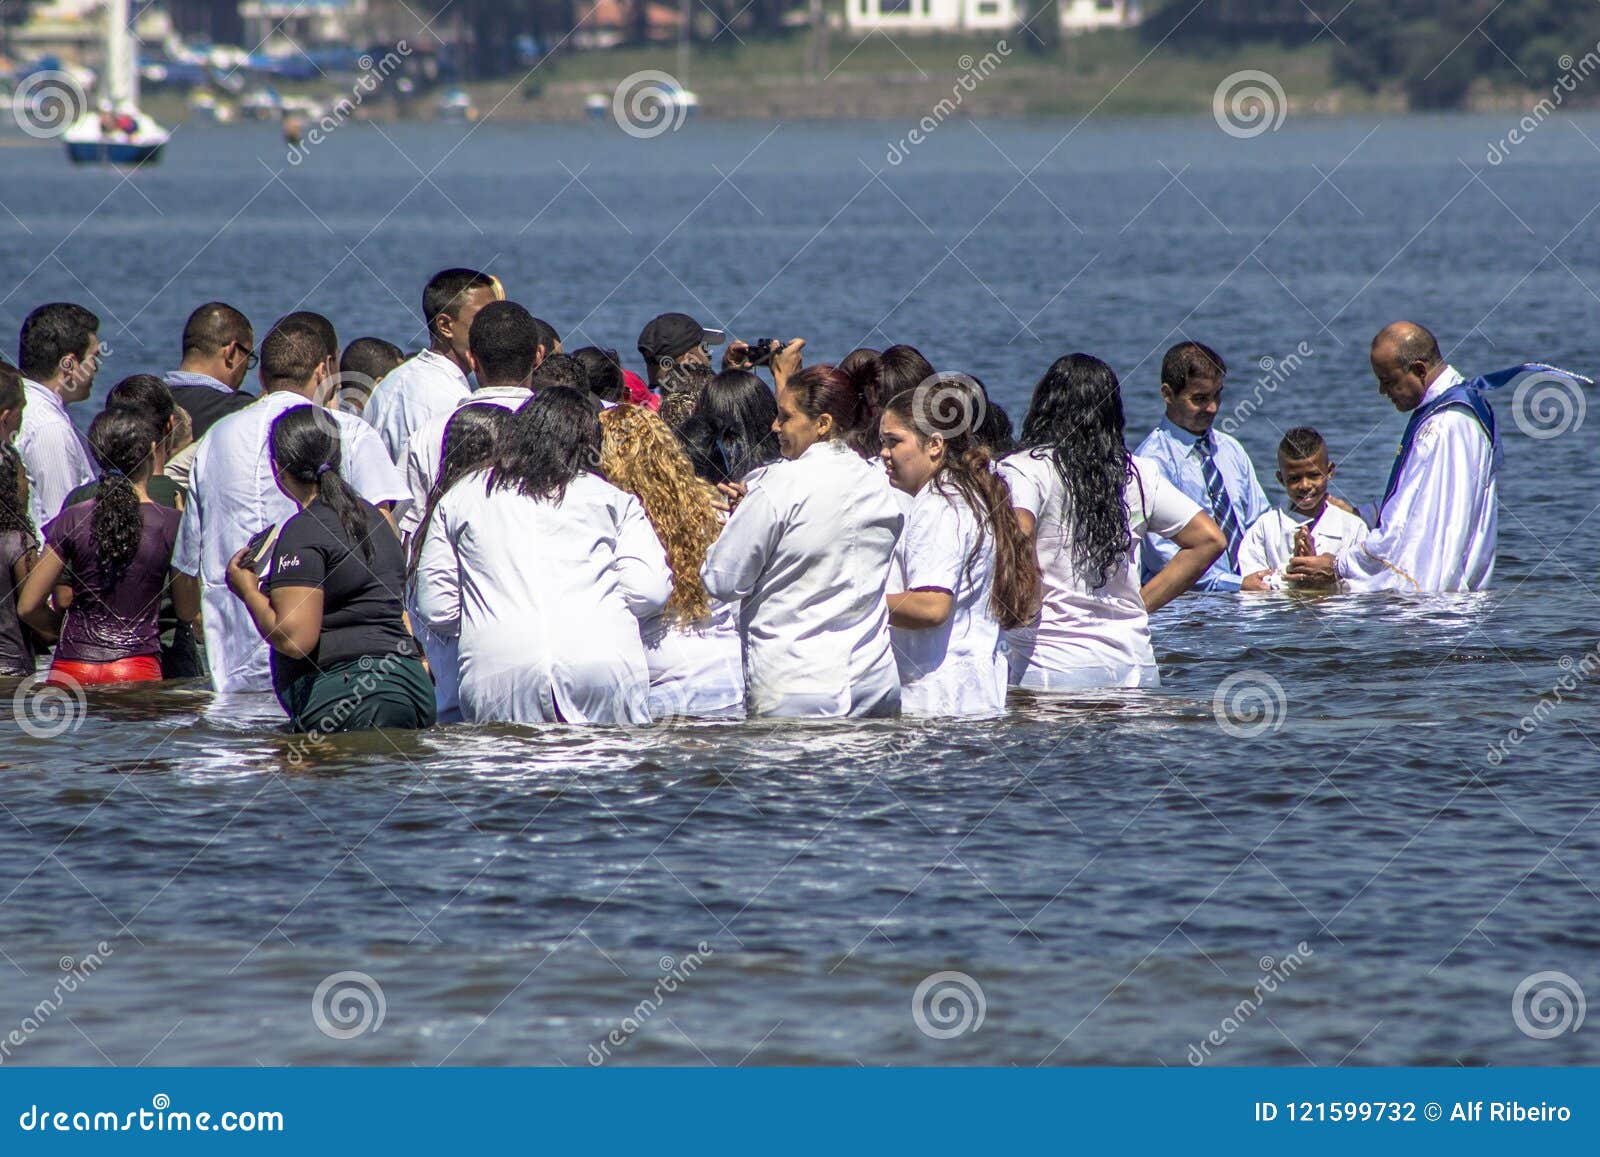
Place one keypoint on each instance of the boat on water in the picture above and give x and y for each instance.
(117, 133)
(455, 105)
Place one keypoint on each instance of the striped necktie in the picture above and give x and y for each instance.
(1221, 504)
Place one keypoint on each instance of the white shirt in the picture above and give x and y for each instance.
(959, 667)
(425, 448)
(808, 552)
(1089, 637)
(54, 454)
(412, 394)
(1269, 543)
(545, 599)
(695, 672)
(232, 495)
(1438, 530)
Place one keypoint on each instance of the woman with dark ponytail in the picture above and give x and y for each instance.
(1087, 501)
(470, 437)
(113, 552)
(969, 571)
(543, 569)
(343, 657)
(807, 551)
(19, 554)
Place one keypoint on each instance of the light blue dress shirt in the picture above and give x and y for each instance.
(1173, 448)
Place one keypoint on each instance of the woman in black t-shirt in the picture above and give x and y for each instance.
(343, 656)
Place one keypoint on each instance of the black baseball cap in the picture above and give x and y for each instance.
(674, 334)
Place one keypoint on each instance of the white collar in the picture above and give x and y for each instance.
(496, 392)
(1447, 378)
(439, 362)
(36, 390)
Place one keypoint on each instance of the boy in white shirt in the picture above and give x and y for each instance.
(1310, 523)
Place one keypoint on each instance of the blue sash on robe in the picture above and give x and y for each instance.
(1468, 396)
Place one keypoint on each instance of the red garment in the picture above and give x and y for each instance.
(139, 669)
(639, 391)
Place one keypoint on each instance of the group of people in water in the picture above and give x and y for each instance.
(494, 529)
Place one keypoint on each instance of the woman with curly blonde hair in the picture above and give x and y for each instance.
(692, 647)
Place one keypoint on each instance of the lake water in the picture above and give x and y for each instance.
(1301, 843)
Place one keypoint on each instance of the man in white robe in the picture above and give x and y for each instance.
(1435, 528)
(503, 357)
(233, 495)
(430, 385)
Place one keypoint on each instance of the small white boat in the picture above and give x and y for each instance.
(597, 106)
(205, 108)
(455, 105)
(117, 133)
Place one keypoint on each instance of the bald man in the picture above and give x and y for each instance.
(1434, 527)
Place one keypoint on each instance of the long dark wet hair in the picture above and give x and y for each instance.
(730, 432)
(121, 441)
(1075, 419)
(968, 470)
(305, 446)
(470, 438)
(13, 516)
(551, 440)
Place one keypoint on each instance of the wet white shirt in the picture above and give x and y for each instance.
(415, 392)
(425, 448)
(696, 672)
(54, 454)
(1089, 637)
(545, 600)
(1438, 531)
(1269, 543)
(808, 552)
(959, 667)
(232, 495)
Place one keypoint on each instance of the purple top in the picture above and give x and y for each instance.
(106, 624)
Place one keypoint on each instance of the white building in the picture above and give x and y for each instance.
(983, 15)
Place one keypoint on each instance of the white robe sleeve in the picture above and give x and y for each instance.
(418, 483)
(735, 562)
(1253, 550)
(370, 472)
(641, 564)
(186, 548)
(1431, 524)
(437, 593)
